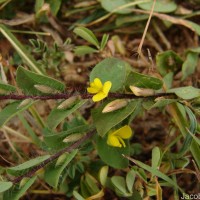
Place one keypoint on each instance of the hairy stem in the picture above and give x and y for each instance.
(83, 96)
(54, 157)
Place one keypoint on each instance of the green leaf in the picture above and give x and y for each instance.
(186, 93)
(155, 172)
(196, 139)
(77, 195)
(20, 49)
(88, 35)
(156, 155)
(112, 156)
(5, 185)
(164, 6)
(162, 102)
(103, 175)
(130, 179)
(5, 88)
(38, 5)
(143, 81)
(17, 192)
(105, 121)
(26, 80)
(54, 5)
(168, 61)
(119, 183)
(193, 26)
(91, 184)
(112, 5)
(82, 50)
(55, 140)
(111, 69)
(11, 110)
(181, 163)
(58, 115)
(26, 165)
(125, 19)
(188, 139)
(194, 50)
(168, 80)
(104, 41)
(189, 64)
(53, 173)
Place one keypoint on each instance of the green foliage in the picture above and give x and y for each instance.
(186, 93)
(27, 80)
(20, 49)
(5, 185)
(164, 6)
(112, 5)
(77, 160)
(11, 110)
(5, 88)
(113, 118)
(112, 156)
(19, 190)
(111, 69)
(90, 37)
(54, 171)
(143, 81)
(168, 61)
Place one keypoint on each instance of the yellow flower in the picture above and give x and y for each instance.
(115, 138)
(100, 90)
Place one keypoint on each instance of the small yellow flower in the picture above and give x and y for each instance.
(115, 138)
(100, 90)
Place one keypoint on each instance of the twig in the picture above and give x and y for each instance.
(139, 51)
(54, 157)
(83, 96)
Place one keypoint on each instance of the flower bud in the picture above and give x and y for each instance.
(67, 103)
(45, 89)
(115, 105)
(24, 103)
(141, 91)
(73, 137)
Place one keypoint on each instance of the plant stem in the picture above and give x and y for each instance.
(83, 96)
(54, 157)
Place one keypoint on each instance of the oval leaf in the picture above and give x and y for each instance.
(26, 80)
(17, 192)
(112, 5)
(105, 121)
(186, 93)
(112, 156)
(87, 34)
(143, 81)
(53, 172)
(164, 6)
(58, 115)
(27, 165)
(5, 185)
(11, 110)
(111, 69)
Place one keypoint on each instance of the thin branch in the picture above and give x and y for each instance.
(54, 157)
(146, 28)
(83, 96)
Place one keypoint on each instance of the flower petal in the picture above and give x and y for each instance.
(99, 96)
(98, 83)
(113, 141)
(92, 90)
(121, 141)
(106, 87)
(124, 132)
